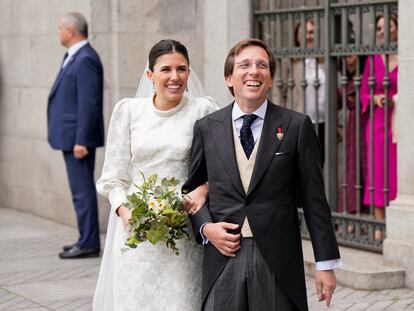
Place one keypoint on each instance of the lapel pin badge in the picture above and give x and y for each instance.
(279, 133)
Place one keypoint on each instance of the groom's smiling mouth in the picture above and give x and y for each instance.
(252, 83)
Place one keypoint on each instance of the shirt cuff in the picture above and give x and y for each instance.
(328, 264)
(205, 240)
(117, 197)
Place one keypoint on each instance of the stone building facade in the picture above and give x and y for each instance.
(33, 177)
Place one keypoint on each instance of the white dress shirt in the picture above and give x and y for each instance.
(257, 124)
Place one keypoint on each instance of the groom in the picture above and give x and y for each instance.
(256, 157)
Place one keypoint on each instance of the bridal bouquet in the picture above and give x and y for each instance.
(158, 213)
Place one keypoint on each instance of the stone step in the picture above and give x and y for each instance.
(360, 269)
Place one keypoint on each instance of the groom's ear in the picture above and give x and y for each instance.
(229, 81)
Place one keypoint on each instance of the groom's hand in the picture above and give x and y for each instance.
(325, 285)
(228, 244)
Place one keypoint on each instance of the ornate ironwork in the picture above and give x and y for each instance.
(341, 28)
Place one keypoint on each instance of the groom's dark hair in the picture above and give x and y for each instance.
(236, 50)
(166, 46)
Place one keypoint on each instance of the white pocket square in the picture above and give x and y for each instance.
(279, 153)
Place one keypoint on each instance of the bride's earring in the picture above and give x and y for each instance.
(186, 88)
(153, 88)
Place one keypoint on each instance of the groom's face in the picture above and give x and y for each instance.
(250, 79)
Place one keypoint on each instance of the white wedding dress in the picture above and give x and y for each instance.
(150, 277)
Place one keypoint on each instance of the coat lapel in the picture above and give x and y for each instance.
(57, 81)
(221, 129)
(64, 70)
(269, 142)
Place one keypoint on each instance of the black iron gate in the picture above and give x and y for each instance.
(329, 54)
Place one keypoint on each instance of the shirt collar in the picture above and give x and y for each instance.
(260, 112)
(76, 47)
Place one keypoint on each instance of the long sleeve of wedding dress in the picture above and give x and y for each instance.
(115, 179)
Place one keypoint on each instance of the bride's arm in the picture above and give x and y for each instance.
(197, 198)
(115, 179)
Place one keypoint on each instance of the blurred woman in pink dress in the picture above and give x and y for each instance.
(379, 126)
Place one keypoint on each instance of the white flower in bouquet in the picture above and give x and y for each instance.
(153, 203)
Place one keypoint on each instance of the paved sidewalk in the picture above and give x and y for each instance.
(33, 278)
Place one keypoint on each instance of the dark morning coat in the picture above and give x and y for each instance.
(283, 167)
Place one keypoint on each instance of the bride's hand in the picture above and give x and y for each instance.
(196, 199)
(125, 214)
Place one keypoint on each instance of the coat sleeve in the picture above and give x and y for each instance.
(315, 206)
(197, 175)
(89, 84)
(365, 93)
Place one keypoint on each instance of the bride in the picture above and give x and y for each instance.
(151, 135)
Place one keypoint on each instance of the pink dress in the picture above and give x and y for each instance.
(378, 139)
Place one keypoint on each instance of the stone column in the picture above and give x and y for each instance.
(225, 23)
(399, 244)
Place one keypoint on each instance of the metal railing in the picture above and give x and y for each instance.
(313, 43)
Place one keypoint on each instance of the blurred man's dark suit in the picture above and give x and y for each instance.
(75, 117)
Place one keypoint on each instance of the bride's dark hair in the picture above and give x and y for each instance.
(167, 46)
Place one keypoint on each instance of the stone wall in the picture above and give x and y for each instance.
(399, 244)
(32, 175)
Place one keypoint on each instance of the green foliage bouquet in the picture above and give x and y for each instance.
(158, 213)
